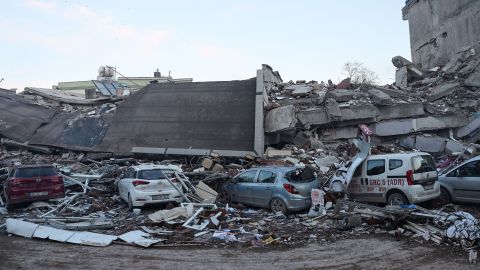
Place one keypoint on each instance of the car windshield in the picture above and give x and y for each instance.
(151, 174)
(169, 173)
(304, 175)
(423, 163)
(35, 172)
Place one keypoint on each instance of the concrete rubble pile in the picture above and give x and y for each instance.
(93, 214)
(435, 110)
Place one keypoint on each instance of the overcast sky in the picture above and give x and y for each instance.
(43, 42)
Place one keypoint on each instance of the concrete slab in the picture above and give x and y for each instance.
(401, 77)
(470, 128)
(431, 144)
(339, 133)
(359, 112)
(333, 110)
(474, 79)
(392, 92)
(313, 117)
(429, 123)
(279, 119)
(299, 90)
(342, 95)
(442, 90)
(394, 127)
(379, 98)
(453, 146)
(400, 111)
(440, 122)
(407, 142)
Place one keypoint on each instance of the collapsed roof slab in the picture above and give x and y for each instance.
(189, 116)
(19, 118)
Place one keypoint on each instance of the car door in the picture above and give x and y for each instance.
(123, 183)
(465, 182)
(242, 187)
(374, 180)
(263, 187)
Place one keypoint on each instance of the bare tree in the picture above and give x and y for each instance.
(360, 74)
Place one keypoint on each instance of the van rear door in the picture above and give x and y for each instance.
(424, 171)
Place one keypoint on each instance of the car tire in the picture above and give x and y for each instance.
(224, 197)
(277, 205)
(445, 196)
(397, 199)
(130, 204)
(9, 206)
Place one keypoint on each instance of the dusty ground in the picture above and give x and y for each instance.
(374, 252)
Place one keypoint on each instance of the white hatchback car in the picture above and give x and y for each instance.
(148, 184)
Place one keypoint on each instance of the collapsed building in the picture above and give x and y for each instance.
(440, 28)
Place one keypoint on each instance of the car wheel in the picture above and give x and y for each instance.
(277, 205)
(130, 204)
(224, 197)
(396, 199)
(444, 196)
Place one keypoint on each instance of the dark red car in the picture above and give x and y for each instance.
(30, 183)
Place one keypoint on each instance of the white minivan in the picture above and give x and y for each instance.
(396, 179)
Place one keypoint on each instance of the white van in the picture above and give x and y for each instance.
(396, 179)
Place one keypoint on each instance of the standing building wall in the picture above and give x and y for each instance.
(440, 28)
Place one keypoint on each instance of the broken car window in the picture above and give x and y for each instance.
(375, 167)
(266, 177)
(394, 164)
(304, 175)
(35, 172)
(471, 169)
(151, 174)
(247, 177)
(423, 164)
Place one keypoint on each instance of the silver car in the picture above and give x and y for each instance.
(462, 183)
(281, 189)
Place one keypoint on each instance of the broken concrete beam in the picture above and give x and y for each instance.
(407, 142)
(441, 91)
(400, 111)
(302, 140)
(454, 146)
(440, 122)
(401, 77)
(392, 92)
(339, 133)
(472, 127)
(279, 119)
(399, 62)
(333, 110)
(431, 144)
(394, 127)
(474, 79)
(272, 152)
(359, 112)
(299, 90)
(341, 95)
(379, 98)
(469, 68)
(406, 126)
(427, 81)
(315, 116)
